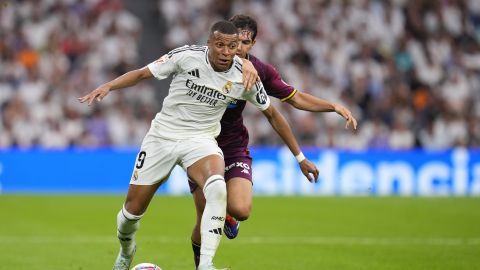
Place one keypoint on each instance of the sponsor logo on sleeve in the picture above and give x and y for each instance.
(162, 59)
(262, 96)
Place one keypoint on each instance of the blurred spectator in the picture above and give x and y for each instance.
(408, 69)
(52, 52)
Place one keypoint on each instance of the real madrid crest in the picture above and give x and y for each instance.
(227, 87)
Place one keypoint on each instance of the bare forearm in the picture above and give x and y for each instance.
(281, 126)
(306, 102)
(126, 80)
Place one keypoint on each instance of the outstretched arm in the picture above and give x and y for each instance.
(281, 126)
(307, 102)
(128, 79)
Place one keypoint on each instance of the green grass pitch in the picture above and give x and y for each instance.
(337, 233)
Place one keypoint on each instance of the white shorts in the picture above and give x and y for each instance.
(158, 157)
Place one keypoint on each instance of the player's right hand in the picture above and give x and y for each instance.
(309, 170)
(250, 74)
(97, 94)
(345, 113)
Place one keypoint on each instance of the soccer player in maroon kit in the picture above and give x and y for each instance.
(233, 139)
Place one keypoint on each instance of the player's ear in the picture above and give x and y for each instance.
(253, 42)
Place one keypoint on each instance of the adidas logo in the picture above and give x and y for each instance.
(216, 231)
(195, 73)
(124, 239)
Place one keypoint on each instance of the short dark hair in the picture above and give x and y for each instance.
(224, 27)
(246, 22)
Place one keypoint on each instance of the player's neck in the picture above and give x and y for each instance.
(220, 70)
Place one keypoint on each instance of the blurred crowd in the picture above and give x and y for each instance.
(409, 70)
(51, 53)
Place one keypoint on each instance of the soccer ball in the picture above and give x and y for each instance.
(146, 266)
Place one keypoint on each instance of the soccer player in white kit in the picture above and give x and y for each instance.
(206, 80)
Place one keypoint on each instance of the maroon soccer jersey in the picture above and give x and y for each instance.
(233, 138)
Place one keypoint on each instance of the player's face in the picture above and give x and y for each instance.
(245, 42)
(222, 49)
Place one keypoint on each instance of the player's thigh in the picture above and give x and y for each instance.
(239, 167)
(202, 158)
(153, 165)
(155, 160)
(205, 167)
(239, 197)
(238, 174)
(139, 197)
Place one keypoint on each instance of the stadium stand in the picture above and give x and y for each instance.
(408, 69)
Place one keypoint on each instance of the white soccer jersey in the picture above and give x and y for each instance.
(198, 95)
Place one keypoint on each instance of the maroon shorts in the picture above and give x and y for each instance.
(234, 167)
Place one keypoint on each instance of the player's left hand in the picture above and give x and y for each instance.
(250, 74)
(309, 170)
(345, 113)
(97, 94)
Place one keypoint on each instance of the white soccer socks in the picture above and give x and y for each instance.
(127, 225)
(213, 217)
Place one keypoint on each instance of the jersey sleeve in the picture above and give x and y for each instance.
(167, 64)
(257, 96)
(276, 86)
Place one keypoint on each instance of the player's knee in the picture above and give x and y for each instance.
(215, 189)
(133, 208)
(240, 212)
(127, 214)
